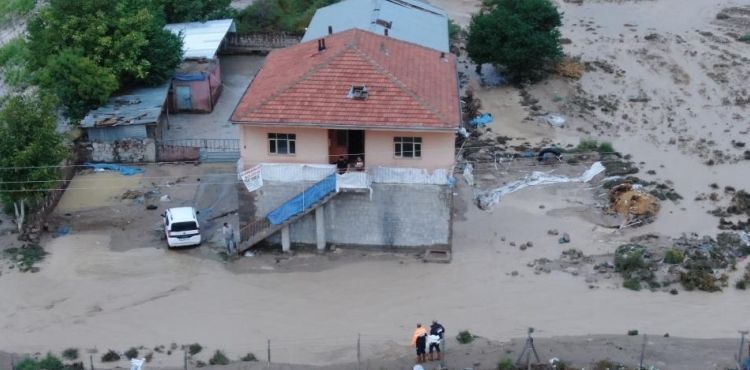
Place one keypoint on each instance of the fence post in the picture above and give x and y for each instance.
(12, 362)
(91, 362)
(184, 358)
(359, 352)
(643, 351)
(269, 353)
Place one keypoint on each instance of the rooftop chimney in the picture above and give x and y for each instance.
(330, 30)
(385, 31)
(442, 55)
(321, 44)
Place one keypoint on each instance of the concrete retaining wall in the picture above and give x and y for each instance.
(123, 151)
(398, 215)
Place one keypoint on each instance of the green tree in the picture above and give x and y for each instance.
(177, 11)
(125, 38)
(78, 82)
(521, 36)
(30, 152)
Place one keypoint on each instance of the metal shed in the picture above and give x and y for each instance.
(135, 115)
(407, 20)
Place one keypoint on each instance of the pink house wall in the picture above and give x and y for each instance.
(438, 148)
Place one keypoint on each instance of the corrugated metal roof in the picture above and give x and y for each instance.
(202, 39)
(140, 107)
(409, 20)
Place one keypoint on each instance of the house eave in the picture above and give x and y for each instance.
(373, 127)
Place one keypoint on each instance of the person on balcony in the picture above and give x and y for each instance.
(342, 165)
(359, 165)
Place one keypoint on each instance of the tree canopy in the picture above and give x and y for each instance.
(177, 11)
(122, 41)
(30, 149)
(521, 36)
(279, 15)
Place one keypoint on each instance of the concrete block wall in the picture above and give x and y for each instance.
(398, 215)
(122, 151)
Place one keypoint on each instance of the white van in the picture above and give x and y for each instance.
(181, 227)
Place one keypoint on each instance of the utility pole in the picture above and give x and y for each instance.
(743, 333)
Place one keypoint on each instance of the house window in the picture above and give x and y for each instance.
(407, 147)
(282, 143)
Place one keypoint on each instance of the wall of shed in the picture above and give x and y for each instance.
(117, 133)
(203, 93)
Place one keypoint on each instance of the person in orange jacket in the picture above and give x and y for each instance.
(419, 340)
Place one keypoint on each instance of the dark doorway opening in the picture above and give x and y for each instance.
(349, 144)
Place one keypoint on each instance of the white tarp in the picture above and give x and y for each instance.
(252, 178)
(296, 172)
(354, 180)
(487, 199)
(137, 363)
(398, 175)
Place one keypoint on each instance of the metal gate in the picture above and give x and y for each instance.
(193, 150)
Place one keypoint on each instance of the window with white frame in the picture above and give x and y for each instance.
(282, 143)
(407, 147)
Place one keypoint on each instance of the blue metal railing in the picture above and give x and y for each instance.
(303, 201)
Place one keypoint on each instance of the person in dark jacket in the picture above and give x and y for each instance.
(436, 330)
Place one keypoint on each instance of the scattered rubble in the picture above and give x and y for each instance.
(633, 203)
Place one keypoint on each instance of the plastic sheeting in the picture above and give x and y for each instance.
(124, 170)
(296, 172)
(488, 199)
(303, 201)
(481, 120)
(397, 175)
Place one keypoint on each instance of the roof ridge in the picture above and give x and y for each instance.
(401, 85)
(302, 78)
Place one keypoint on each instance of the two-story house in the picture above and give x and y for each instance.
(359, 128)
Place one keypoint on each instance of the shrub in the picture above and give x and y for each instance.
(249, 357)
(454, 30)
(744, 38)
(699, 275)
(131, 353)
(632, 284)
(110, 356)
(194, 348)
(70, 354)
(506, 364)
(464, 337)
(48, 362)
(200, 363)
(219, 358)
(149, 356)
(674, 257)
(740, 284)
(26, 256)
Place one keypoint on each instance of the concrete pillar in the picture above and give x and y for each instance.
(320, 228)
(286, 244)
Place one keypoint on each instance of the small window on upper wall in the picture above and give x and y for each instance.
(282, 143)
(407, 147)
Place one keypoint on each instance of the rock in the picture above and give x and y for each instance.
(632, 332)
(651, 36)
(564, 239)
(514, 273)
(552, 232)
(529, 244)
(512, 244)
(151, 207)
(523, 247)
(666, 335)
(541, 206)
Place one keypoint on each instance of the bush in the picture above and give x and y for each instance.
(110, 356)
(699, 275)
(454, 30)
(219, 358)
(10, 9)
(249, 357)
(48, 362)
(70, 354)
(523, 37)
(26, 256)
(131, 353)
(464, 337)
(632, 284)
(291, 16)
(194, 348)
(674, 257)
(744, 38)
(740, 284)
(506, 364)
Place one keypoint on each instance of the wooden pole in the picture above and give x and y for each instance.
(91, 362)
(359, 352)
(269, 353)
(184, 359)
(643, 351)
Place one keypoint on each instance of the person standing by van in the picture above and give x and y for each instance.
(228, 232)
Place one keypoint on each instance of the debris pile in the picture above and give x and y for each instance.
(633, 202)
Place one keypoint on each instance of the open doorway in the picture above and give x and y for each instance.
(349, 144)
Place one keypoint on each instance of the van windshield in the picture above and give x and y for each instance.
(184, 226)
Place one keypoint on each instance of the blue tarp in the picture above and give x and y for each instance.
(302, 201)
(194, 76)
(124, 170)
(481, 120)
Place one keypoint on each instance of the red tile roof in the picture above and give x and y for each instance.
(409, 86)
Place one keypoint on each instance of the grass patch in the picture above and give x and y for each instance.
(131, 353)
(13, 8)
(110, 356)
(219, 358)
(26, 256)
(194, 348)
(674, 257)
(465, 337)
(249, 357)
(48, 362)
(591, 145)
(632, 284)
(506, 364)
(70, 354)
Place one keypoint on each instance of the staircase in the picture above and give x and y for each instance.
(303, 203)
